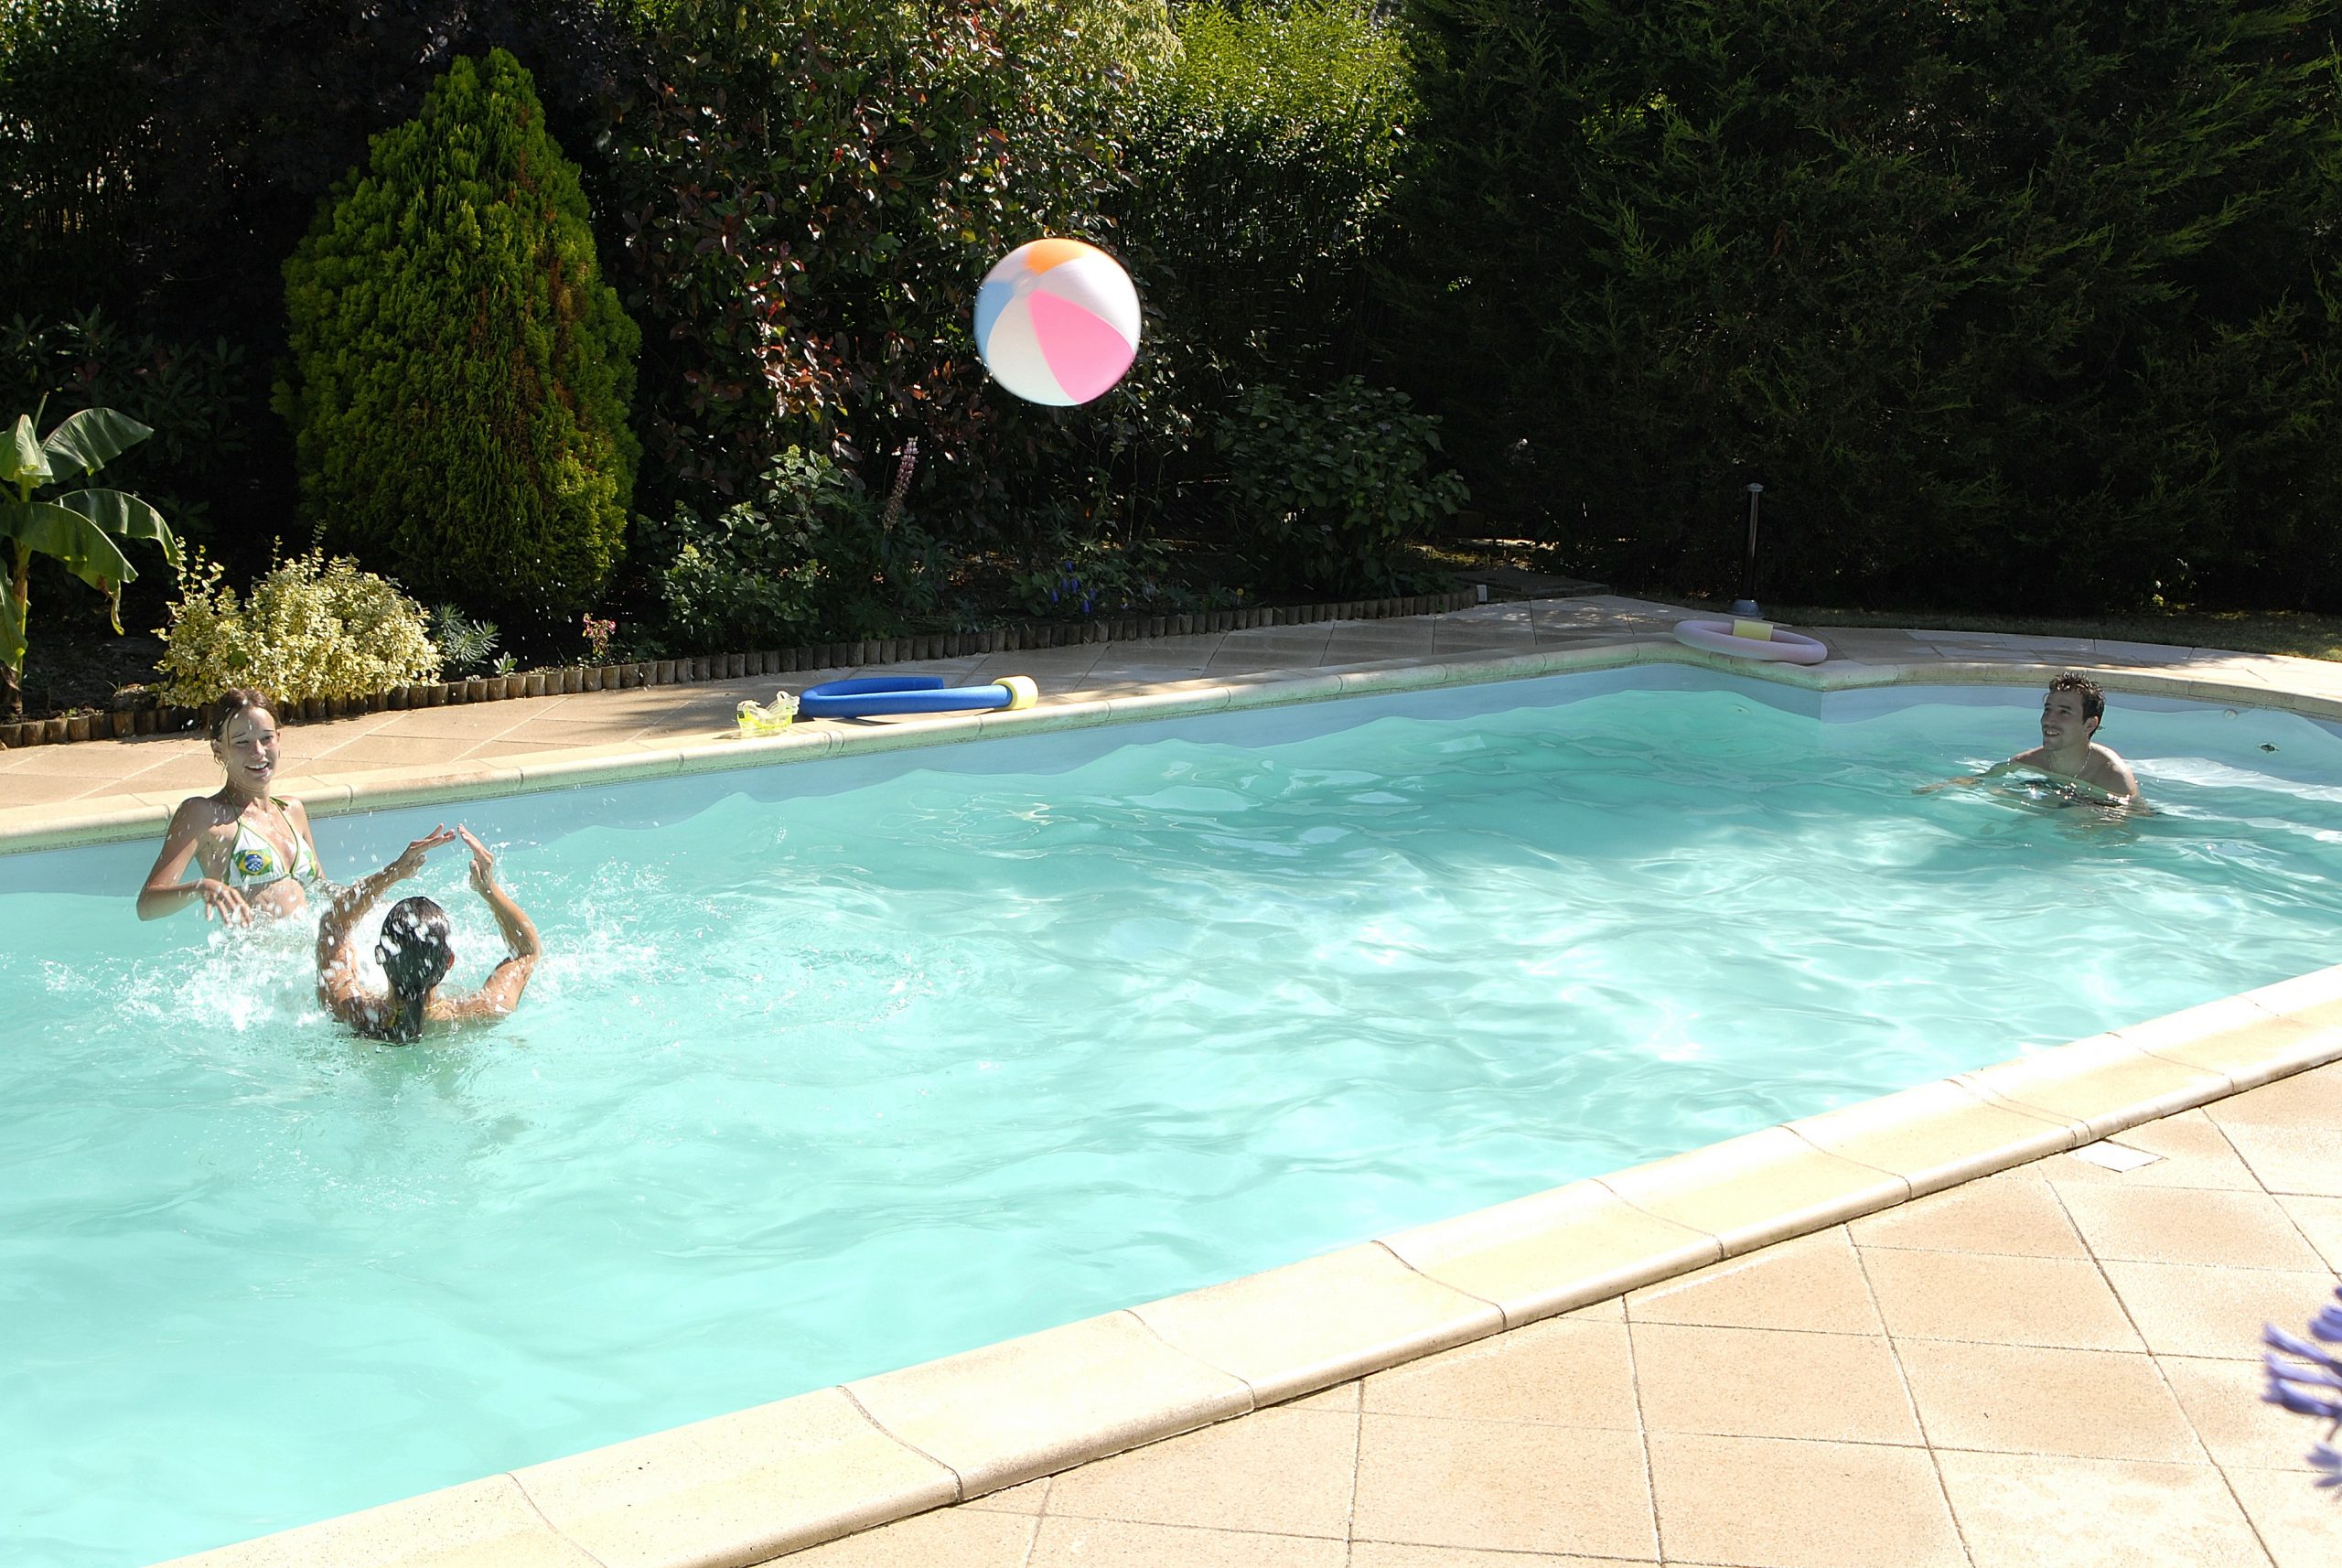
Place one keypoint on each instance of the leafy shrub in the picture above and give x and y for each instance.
(807, 555)
(467, 646)
(1324, 486)
(160, 160)
(313, 627)
(812, 191)
(2027, 306)
(462, 376)
(1261, 162)
(1076, 578)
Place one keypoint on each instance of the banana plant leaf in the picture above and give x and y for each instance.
(80, 545)
(84, 442)
(124, 516)
(22, 461)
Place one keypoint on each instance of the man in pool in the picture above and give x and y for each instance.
(2069, 754)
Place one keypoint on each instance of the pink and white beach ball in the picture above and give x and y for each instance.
(1057, 322)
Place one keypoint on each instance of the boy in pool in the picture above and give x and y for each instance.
(2068, 753)
(414, 953)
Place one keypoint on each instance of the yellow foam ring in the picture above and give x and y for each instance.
(1755, 630)
(1022, 693)
(1043, 254)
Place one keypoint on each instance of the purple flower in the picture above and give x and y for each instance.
(2307, 1380)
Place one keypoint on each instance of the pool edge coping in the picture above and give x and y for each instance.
(772, 1480)
(30, 829)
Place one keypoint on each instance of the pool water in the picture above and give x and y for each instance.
(838, 1066)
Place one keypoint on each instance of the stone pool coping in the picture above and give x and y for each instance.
(759, 1483)
(65, 825)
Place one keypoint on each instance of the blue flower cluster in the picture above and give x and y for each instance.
(2310, 1383)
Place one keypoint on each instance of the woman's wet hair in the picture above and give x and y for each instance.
(234, 700)
(415, 955)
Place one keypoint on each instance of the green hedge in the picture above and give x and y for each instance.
(462, 374)
(2027, 306)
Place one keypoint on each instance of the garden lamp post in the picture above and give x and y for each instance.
(1746, 604)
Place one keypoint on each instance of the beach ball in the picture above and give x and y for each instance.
(1057, 322)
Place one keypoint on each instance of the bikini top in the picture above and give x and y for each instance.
(255, 862)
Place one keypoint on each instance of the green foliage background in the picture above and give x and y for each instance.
(2029, 304)
(461, 371)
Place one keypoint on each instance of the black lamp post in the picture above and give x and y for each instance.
(1746, 604)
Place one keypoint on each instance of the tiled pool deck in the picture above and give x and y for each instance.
(1975, 1345)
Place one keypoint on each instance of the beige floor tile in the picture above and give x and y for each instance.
(393, 751)
(2298, 1159)
(1561, 1372)
(2312, 1097)
(554, 733)
(2194, 1155)
(1027, 1497)
(1767, 1503)
(2300, 1526)
(2057, 1302)
(1504, 1487)
(1281, 1471)
(2223, 1402)
(2024, 1398)
(482, 722)
(962, 1537)
(2024, 1510)
(196, 774)
(2003, 1214)
(1383, 1554)
(2320, 1220)
(88, 762)
(1770, 1382)
(1813, 1282)
(1108, 1543)
(30, 788)
(2236, 1229)
(2190, 1310)
(1341, 1396)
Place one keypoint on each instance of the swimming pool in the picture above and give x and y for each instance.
(1138, 1008)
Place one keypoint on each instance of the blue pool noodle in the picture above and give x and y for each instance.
(876, 694)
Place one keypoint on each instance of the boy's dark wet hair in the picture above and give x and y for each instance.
(2093, 695)
(415, 957)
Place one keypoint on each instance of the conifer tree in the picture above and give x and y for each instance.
(461, 373)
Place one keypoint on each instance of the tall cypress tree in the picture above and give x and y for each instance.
(461, 370)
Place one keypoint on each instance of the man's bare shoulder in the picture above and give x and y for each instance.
(2110, 772)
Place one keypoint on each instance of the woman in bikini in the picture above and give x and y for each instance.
(414, 953)
(253, 853)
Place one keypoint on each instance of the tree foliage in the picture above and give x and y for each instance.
(462, 374)
(811, 191)
(2031, 305)
(160, 158)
